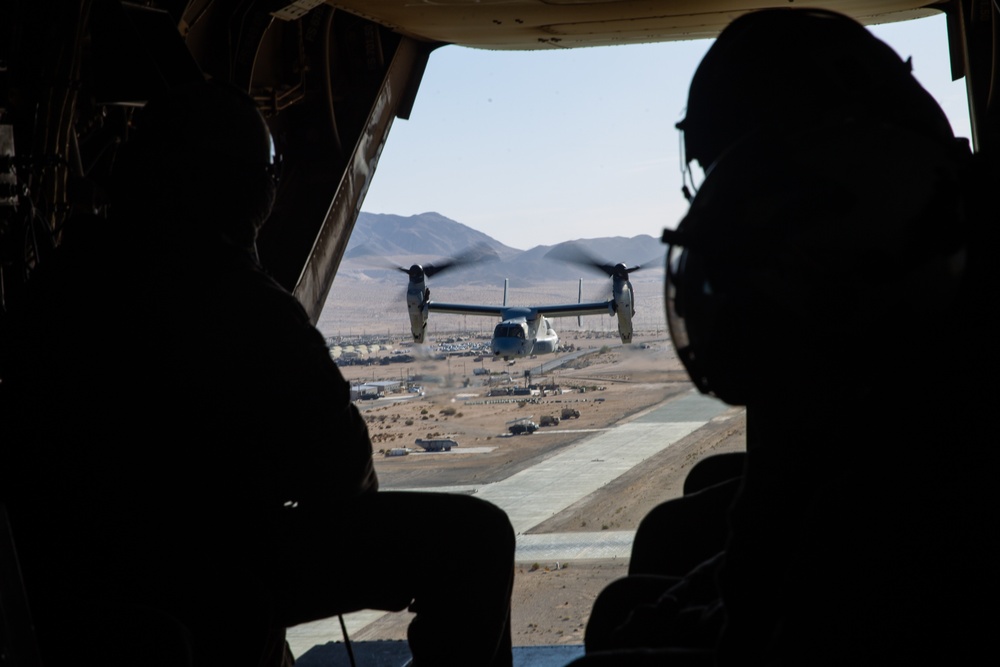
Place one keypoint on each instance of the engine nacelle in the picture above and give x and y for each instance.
(417, 296)
(624, 306)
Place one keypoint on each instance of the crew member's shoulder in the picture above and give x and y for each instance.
(248, 287)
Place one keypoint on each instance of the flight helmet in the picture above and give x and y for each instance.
(812, 254)
(789, 68)
(200, 158)
(818, 251)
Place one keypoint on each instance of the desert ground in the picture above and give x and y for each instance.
(608, 384)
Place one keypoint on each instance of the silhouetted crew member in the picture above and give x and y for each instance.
(185, 442)
(828, 277)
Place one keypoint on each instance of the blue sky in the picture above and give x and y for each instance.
(536, 148)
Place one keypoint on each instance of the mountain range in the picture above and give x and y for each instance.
(382, 242)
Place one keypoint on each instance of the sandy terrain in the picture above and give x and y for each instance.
(551, 601)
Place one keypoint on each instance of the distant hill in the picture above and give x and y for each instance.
(380, 241)
(385, 235)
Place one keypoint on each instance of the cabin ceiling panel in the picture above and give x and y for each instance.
(547, 24)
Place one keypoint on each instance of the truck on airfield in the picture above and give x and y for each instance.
(522, 426)
(436, 444)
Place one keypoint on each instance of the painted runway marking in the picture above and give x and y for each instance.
(550, 547)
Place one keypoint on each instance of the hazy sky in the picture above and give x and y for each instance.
(542, 147)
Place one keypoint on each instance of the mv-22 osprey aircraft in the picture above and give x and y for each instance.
(523, 330)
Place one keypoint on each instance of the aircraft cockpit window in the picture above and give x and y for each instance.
(508, 331)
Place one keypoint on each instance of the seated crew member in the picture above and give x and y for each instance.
(177, 437)
(830, 277)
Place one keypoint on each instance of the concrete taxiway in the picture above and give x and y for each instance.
(554, 483)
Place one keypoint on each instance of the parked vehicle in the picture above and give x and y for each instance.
(549, 420)
(437, 444)
(570, 412)
(523, 428)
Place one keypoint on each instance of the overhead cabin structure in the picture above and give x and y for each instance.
(330, 76)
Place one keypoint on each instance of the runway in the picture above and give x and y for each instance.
(554, 483)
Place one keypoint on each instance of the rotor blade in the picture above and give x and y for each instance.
(434, 269)
(379, 263)
(656, 260)
(476, 254)
(575, 254)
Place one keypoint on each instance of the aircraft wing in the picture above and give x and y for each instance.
(563, 310)
(465, 309)
(576, 309)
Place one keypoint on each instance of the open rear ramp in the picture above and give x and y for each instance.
(396, 653)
